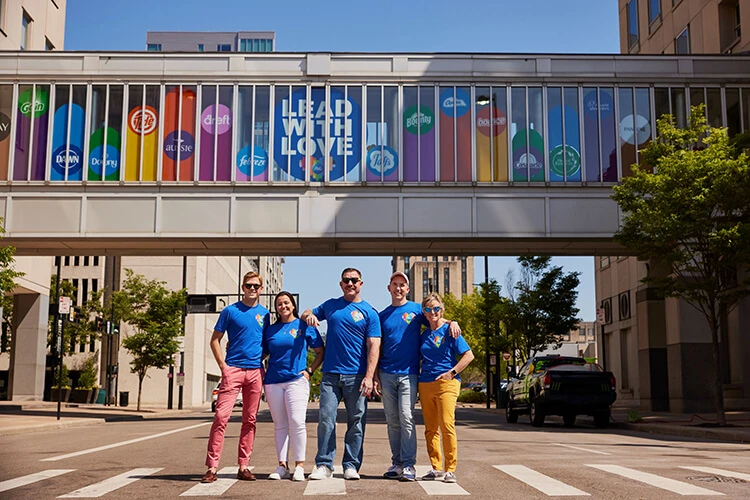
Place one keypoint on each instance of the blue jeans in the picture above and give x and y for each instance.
(333, 388)
(399, 397)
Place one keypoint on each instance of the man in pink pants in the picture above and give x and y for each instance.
(244, 323)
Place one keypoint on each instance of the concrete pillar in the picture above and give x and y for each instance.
(29, 347)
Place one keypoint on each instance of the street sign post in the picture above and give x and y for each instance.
(493, 360)
(506, 356)
(180, 379)
(64, 305)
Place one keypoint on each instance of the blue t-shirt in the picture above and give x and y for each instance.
(439, 352)
(286, 345)
(350, 324)
(244, 326)
(399, 352)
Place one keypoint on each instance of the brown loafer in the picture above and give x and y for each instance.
(209, 477)
(245, 475)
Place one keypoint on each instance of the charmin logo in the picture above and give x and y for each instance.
(357, 316)
(259, 319)
(381, 160)
(407, 317)
(179, 143)
(142, 120)
(454, 103)
(67, 158)
(419, 122)
(36, 108)
(4, 126)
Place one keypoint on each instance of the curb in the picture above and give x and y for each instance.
(23, 429)
(691, 432)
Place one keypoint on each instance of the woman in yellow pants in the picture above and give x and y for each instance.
(443, 358)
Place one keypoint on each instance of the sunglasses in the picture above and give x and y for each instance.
(254, 286)
(428, 310)
(353, 281)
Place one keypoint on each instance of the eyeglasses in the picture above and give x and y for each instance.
(353, 281)
(254, 286)
(428, 310)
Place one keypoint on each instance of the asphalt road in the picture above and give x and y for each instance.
(163, 458)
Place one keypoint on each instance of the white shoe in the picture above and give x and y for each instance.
(351, 474)
(321, 472)
(299, 474)
(449, 477)
(393, 472)
(280, 473)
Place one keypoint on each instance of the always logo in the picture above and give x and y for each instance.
(259, 319)
(407, 317)
(357, 316)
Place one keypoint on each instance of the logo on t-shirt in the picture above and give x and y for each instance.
(259, 319)
(437, 340)
(407, 317)
(293, 332)
(357, 316)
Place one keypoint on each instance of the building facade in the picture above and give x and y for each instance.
(32, 24)
(439, 274)
(580, 342)
(660, 349)
(211, 41)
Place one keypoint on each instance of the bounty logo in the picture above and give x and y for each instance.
(259, 161)
(407, 317)
(381, 160)
(293, 332)
(357, 316)
(4, 126)
(418, 122)
(36, 108)
(182, 144)
(454, 105)
(67, 158)
(142, 120)
(259, 319)
(437, 340)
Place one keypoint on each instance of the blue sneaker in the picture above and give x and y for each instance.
(408, 474)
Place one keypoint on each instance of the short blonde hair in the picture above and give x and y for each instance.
(430, 297)
(251, 274)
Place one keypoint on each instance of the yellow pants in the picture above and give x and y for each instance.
(438, 400)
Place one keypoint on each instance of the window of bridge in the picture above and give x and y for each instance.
(6, 107)
(381, 147)
(419, 134)
(564, 143)
(491, 134)
(454, 124)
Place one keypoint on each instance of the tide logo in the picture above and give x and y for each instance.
(142, 120)
(407, 317)
(259, 319)
(357, 316)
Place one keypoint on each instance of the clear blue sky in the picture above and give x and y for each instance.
(532, 26)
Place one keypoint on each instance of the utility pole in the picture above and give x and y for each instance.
(487, 329)
(182, 345)
(58, 337)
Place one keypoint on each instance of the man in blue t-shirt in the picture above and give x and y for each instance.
(352, 348)
(398, 374)
(243, 323)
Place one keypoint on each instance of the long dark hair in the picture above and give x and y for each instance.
(294, 305)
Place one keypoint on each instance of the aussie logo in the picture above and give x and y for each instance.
(293, 332)
(437, 340)
(357, 316)
(407, 317)
(259, 319)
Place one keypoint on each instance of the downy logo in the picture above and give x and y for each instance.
(454, 105)
(418, 122)
(4, 126)
(67, 157)
(38, 107)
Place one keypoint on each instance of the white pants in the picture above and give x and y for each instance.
(288, 404)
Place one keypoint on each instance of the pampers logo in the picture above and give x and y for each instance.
(259, 319)
(407, 317)
(357, 316)
(454, 104)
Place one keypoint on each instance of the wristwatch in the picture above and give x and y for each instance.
(309, 371)
(454, 372)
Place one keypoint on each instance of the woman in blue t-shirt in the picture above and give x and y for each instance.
(287, 382)
(439, 385)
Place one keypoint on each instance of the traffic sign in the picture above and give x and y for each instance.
(506, 356)
(64, 305)
(180, 379)
(493, 360)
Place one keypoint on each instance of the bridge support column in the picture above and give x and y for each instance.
(29, 347)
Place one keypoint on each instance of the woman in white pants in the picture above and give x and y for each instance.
(287, 382)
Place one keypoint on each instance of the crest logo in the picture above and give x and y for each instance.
(407, 317)
(357, 316)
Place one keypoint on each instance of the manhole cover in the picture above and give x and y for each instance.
(717, 479)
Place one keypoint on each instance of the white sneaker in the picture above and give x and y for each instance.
(393, 472)
(432, 475)
(351, 474)
(321, 472)
(299, 474)
(280, 473)
(408, 474)
(449, 477)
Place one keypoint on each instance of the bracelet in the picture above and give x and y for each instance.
(309, 371)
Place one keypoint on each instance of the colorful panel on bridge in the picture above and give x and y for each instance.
(31, 132)
(6, 106)
(142, 133)
(178, 155)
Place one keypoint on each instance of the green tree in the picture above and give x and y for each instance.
(464, 311)
(691, 213)
(155, 314)
(8, 276)
(85, 326)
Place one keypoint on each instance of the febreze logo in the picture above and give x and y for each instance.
(357, 316)
(437, 340)
(259, 319)
(407, 317)
(142, 120)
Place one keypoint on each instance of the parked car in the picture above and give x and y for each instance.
(475, 386)
(215, 394)
(560, 385)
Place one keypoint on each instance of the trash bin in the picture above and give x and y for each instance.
(124, 398)
(101, 397)
(502, 398)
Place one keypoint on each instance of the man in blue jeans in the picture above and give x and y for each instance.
(352, 349)
(398, 374)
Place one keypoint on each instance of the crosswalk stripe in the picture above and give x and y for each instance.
(537, 480)
(226, 478)
(653, 480)
(438, 487)
(31, 478)
(335, 485)
(719, 472)
(111, 484)
(581, 449)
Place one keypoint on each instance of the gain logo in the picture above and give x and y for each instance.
(4, 126)
(381, 160)
(36, 108)
(179, 142)
(259, 161)
(571, 165)
(454, 105)
(67, 158)
(418, 122)
(142, 120)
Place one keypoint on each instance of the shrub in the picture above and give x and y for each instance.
(87, 380)
(65, 377)
(472, 397)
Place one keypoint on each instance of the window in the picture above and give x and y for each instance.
(632, 23)
(25, 29)
(682, 42)
(654, 11)
(48, 45)
(57, 261)
(96, 260)
(153, 47)
(729, 24)
(603, 262)
(5, 337)
(86, 260)
(463, 276)
(224, 47)
(67, 260)
(200, 47)
(446, 280)
(77, 260)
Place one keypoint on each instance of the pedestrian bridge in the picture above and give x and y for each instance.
(336, 154)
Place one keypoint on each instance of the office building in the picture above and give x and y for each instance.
(210, 41)
(32, 24)
(439, 274)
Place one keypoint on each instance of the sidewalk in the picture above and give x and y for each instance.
(34, 416)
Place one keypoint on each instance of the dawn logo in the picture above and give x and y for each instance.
(67, 158)
(357, 316)
(407, 317)
(437, 340)
(259, 319)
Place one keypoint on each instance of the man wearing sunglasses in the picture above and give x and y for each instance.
(398, 374)
(244, 322)
(352, 348)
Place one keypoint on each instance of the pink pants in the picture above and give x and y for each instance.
(250, 382)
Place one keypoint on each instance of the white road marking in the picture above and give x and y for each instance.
(653, 480)
(537, 480)
(581, 449)
(122, 443)
(226, 478)
(113, 483)
(438, 487)
(335, 485)
(719, 472)
(31, 478)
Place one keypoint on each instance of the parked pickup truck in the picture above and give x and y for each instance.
(560, 385)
